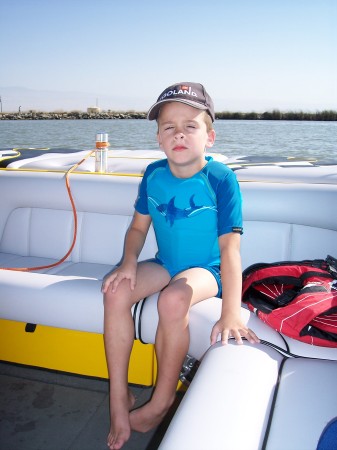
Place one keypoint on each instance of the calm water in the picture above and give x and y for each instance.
(263, 138)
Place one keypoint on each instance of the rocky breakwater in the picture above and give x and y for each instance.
(73, 115)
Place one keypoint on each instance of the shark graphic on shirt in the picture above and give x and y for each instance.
(172, 213)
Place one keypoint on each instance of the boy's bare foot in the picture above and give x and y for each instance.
(120, 428)
(147, 417)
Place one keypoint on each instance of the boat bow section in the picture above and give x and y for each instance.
(279, 394)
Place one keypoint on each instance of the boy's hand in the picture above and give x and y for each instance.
(124, 272)
(232, 327)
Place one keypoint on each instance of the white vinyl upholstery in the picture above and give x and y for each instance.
(281, 222)
(239, 390)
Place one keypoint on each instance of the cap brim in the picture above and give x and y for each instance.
(154, 110)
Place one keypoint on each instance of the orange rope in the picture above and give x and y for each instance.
(30, 269)
(102, 144)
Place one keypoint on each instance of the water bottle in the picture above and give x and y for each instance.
(101, 152)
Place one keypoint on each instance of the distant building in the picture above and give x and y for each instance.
(93, 110)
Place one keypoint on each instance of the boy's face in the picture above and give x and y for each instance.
(182, 134)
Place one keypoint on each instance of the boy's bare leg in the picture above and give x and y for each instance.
(118, 340)
(172, 341)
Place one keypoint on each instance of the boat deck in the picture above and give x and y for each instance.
(44, 410)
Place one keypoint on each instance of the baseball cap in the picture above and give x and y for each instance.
(193, 94)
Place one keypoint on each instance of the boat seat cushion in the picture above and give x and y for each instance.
(46, 234)
(36, 228)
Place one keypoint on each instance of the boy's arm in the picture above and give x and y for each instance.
(134, 242)
(135, 237)
(230, 322)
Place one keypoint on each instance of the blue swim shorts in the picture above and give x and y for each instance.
(215, 271)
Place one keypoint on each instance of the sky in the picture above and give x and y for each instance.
(251, 55)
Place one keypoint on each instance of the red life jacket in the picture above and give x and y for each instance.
(296, 298)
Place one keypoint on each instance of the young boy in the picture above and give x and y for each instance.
(194, 204)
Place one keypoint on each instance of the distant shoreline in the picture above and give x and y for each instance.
(327, 115)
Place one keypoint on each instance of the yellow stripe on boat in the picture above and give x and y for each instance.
(70, 351)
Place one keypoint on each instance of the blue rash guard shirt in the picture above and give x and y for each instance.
(189, 214)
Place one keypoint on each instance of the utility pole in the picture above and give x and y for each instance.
(1, 103)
